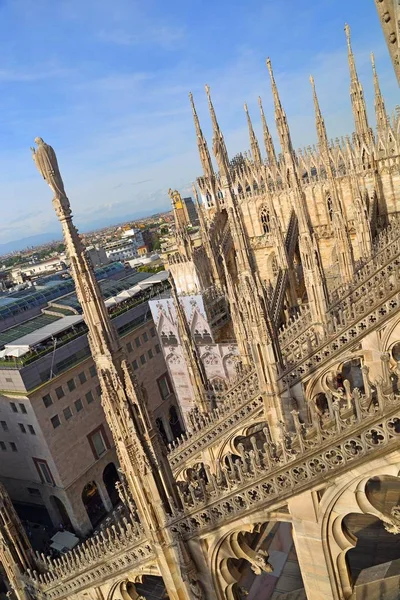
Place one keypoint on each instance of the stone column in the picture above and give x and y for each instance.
(307, 537)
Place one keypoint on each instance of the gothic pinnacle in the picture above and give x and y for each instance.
(268, 143)
(356, 93)
(275, 94)
(380, 110)
(255, 148)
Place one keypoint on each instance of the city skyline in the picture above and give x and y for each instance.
(118, 111)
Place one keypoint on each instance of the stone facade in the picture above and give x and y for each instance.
(286, 482)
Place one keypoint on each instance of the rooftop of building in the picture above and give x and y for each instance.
(35, 337)
(21, 300)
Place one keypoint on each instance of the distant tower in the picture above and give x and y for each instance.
(192, 212)
(180, 210)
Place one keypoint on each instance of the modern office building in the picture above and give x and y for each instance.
(56, 449)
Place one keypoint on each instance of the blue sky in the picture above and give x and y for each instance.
(106, 83)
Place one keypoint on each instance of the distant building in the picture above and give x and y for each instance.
(97, 255)
(192, 212)
(126, 247)
(23, 272)
(57, 451)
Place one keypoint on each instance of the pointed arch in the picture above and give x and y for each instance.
(265, 219)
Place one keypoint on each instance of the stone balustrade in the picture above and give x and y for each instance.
(373, 300)
(359, 427)
(298, 323)
(116, 548)
(386, 250)
(238, 403)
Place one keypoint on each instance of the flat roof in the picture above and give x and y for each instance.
(13, 333)
(43, 333)
(44, 327)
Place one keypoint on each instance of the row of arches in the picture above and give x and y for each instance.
(91, 499)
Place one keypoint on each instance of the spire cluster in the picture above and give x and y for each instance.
(359, 109)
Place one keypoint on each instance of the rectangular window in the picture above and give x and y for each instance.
(60, 392)
(98, 441)
(129, 347)
(47, 401)
(98, 391)
(13, 407)
(67, 413)
(31, 430)
(4, 425)
(145, 336)
(137, 342)
(71, 385)
(164, 386)
(135, 365)
(44, 471)
(23, 408)
(157, 348)
(55, 421)
(13, 447)
(3, 447)
(152, 332)
(34, 492)
(150, 353)
(142, 359)
(22, 427)
(89, 397)
(78, 405)
(93, 371)
(82, 377)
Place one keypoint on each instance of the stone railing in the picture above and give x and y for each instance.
(360, 427)
(279, 295)
(385, 251)
(117, 548)
(297, 324)
(355, 328)
(262, 241)
(373, 301)
(386, 247)
(292, 234)
(238, 403)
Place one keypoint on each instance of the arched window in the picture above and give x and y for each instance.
(265, 219)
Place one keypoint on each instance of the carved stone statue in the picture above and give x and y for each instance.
(47, 165)
(260, 563)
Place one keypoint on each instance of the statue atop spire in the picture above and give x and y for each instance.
(268, 143)
(139, 448)
(280, 118)
(380, 110)
(319, 120)
(219, 147)
(255, 148)
(202, 146)
(356, 93)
